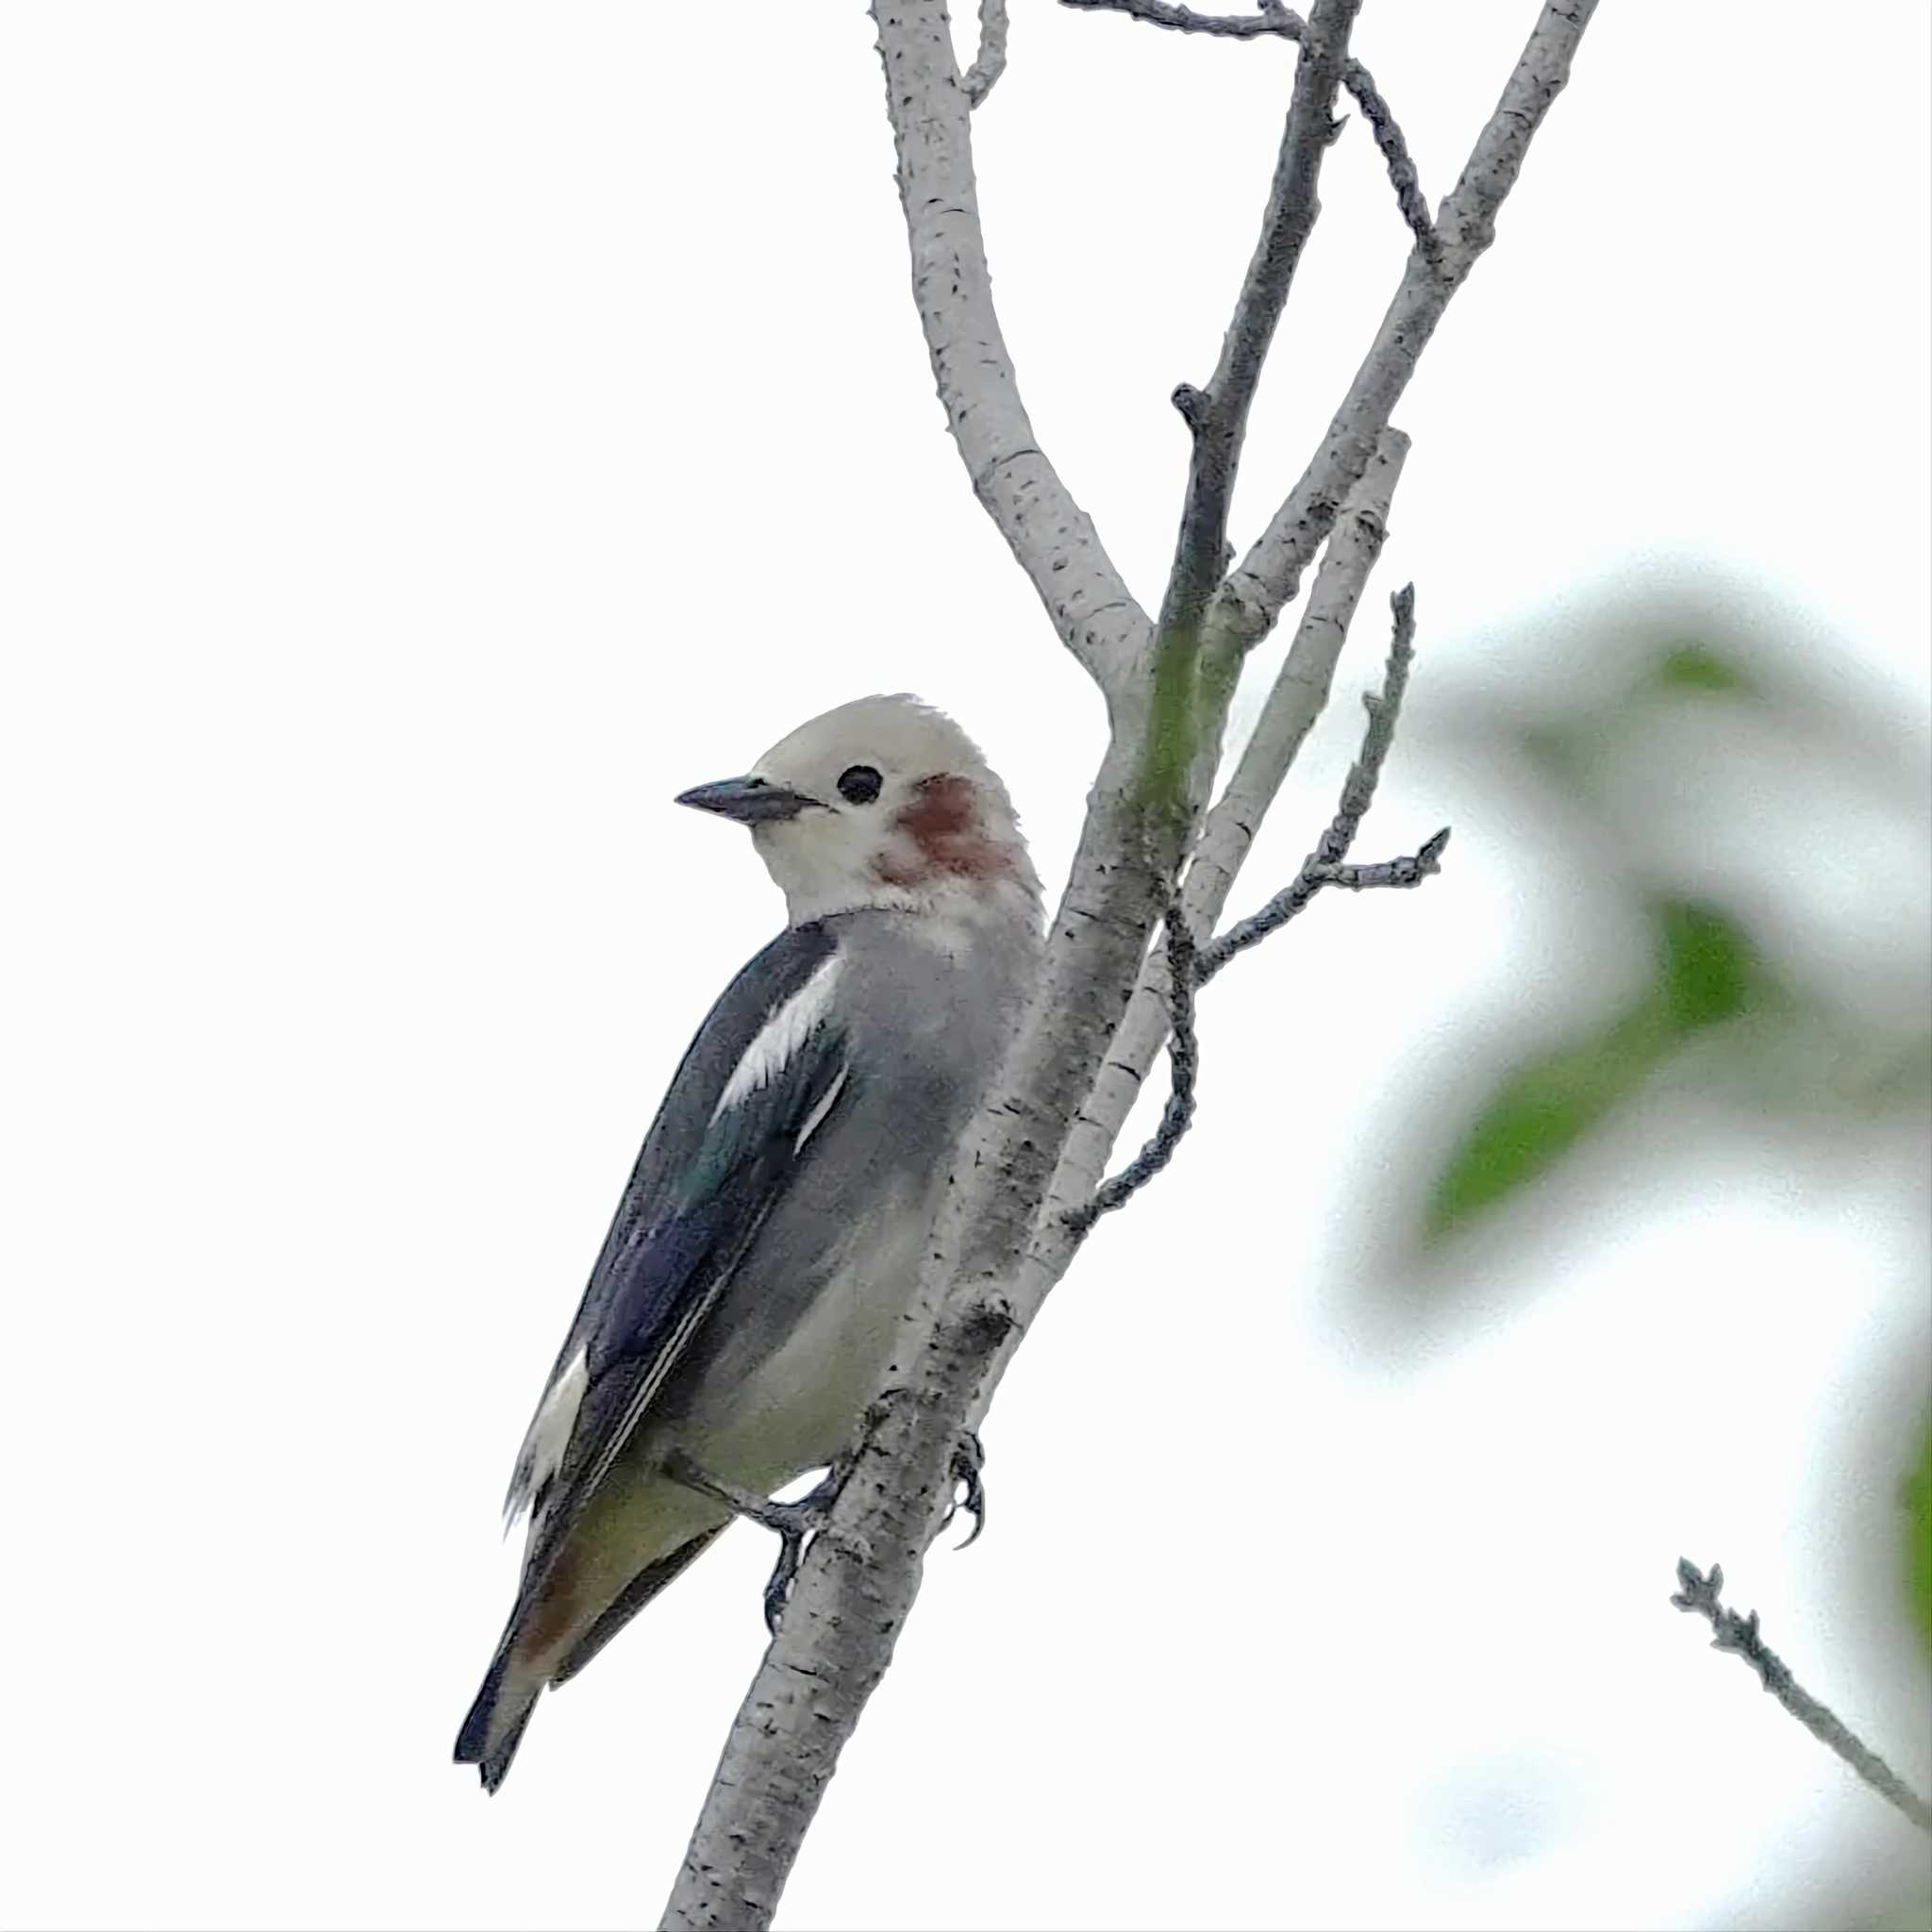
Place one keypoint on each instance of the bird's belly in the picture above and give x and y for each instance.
(799, 1404)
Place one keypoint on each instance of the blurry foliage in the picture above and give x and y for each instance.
(1713, 1005)
(1917, 1501)
(1707, 973)
(1709, 985)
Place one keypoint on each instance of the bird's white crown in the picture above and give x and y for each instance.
(904, 813)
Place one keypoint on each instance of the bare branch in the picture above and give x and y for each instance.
(1282, 24)
(1296, 700)
(1271, 572)
(1423, 863)
(1323, 866)
(1301, 689)
(1403, 177)
(989, 63)
(1218, 416)
(1278, 21)
(987, 1269)
(1183, 1055)
(1737, 1634)
(1188, 970)
(1051, 536)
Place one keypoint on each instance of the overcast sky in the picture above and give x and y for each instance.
(433, 435)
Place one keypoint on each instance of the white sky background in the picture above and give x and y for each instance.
(432, 436)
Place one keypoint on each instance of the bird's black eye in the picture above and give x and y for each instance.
(859, 784)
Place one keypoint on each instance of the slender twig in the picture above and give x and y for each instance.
(1218, 415)
(1411, 870)
(991, 62)
(1403, 177)
(1328, 865)
(1699, 1593)
(1269, 573)
(1183, 1055)
(1299, 694)
(1324, 865)
(1278, 21)
(1283, 23)
(1050, 535)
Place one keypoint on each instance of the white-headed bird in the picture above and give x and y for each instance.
(744, 1308)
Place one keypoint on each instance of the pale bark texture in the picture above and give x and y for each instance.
(1099, 1013)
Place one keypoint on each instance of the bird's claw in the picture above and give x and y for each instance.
(969, 1459)
(792, 1523)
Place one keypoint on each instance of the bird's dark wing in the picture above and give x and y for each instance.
(766, 1069)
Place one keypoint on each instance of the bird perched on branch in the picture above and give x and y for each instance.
(766, 1250)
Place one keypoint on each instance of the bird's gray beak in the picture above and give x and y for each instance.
(750, 801)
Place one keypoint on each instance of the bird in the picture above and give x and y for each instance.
(765, 1252)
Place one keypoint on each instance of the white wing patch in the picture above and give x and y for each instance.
(541, 1455)
(780, 1039)
(819, 1113)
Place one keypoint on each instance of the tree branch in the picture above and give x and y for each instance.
(991, 62)
(1411, 870)
(1282, 24)
(1188, 968)
(986, 1272)
(1050, 535)
(1737, 1634)
(1324, 865)
(1396, 158)
(1299, 694)
(1276, 21)
(1271, 572)
(1183, 1055)
(1218, 416)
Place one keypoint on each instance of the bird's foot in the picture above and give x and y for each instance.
(968, 1491)
(968, 1464)
(792, 1523)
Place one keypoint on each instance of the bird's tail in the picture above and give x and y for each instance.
(495, 1726)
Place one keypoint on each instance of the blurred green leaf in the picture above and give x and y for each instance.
(1917, 1498)
(1904, 1081)
(1707, 972)
(1567, 751)
(1562, 753)
(1537, 1115)
(1710, 969)
(1692, 667)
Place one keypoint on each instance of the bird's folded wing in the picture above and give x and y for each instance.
(766, 1070)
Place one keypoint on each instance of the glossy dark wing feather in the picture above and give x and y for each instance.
(703, 1184)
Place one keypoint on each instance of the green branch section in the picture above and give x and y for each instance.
(1190, 690)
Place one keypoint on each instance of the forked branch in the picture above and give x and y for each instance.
(1280, 23)
(1218, 415)
(1270, 574)
(998, 1247)
(1189, 968)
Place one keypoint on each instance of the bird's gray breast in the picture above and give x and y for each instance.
(778, 1377)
